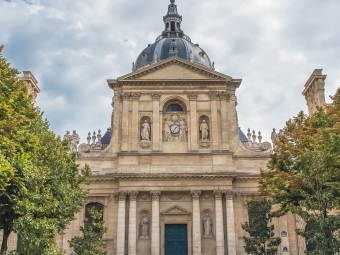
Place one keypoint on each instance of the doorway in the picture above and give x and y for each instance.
(176, 239)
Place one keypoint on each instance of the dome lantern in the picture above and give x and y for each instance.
(172, 22)
(172, 43)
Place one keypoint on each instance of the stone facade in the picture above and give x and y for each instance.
(314, 91)
(175, 156)
(185, 165)
(31, 83)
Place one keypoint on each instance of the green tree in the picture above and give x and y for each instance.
(261, 241)
(303, 175)
(91, 243)
(42, 192)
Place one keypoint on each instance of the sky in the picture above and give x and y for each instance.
(73, 47)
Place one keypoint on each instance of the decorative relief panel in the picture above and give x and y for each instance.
(144, 197)
(175, 197)
(175, 128)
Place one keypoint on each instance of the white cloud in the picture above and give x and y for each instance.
(73, 47)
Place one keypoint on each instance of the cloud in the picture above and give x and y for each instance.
(73, 47)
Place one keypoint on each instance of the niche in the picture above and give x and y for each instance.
(208, 224)
(204, 128)
(145, 129)
(144, 224)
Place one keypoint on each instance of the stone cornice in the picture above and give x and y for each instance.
(178, 154)
(317, 74)
(171, 61)
(157, 177)
(166, 176)
(173, 82)
(172, 176)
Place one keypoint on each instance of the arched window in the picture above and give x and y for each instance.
(310, 230)
(98, 207)
(172, 25)
(174, 108)
(256, 215)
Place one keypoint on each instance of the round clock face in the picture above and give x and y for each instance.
(174, 129)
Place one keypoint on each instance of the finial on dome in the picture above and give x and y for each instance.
(172, 1)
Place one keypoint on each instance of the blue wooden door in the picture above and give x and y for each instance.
(176, 239)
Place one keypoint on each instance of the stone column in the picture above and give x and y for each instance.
(132, 240)
(155, 233)
(155, 120)
(135, 121)
(224, 121)
(116, 104)
(214, 120)
(196, 222)
(232, 114)
(193, 121)
(219, 223)
(125, 121)
(121, 223)
(231, 235)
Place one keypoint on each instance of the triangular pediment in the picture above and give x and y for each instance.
(175, 69)
(176, 210)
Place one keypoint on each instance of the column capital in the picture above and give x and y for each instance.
(229, 194)
(136, 95)
(133, 195)
(213, 95)
(192, 96)
(218, 194)
(195, 194)
(125, 96)
(155, 194)
(225, 96)
(156, 95)
(121, 195)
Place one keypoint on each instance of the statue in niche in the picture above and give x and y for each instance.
(204, 128)
(145, 131)
(207, 225)
(144, 227)
(182, 130)
(166, 129)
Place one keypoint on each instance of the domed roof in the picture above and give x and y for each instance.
(172, 43)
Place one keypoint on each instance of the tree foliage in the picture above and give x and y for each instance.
(261, 241)
(91, 243)
(303, 175)
(42, 188)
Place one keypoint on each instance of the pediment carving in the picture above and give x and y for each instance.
(175, 210)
